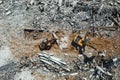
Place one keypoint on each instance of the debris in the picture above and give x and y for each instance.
(88, 59)
(41, 16)
(52, 58)
(90, 45)
(115, 59)
(32, 30)
(98, 73)
(8, 71)
(118, 2)
(60, 2)
(74, 74)
(84, 78)
(8, 12)
(63, 42)
(56, 37)
(113, 28)
(47, 44)
(25, 74)
(107, 73)
(24, 62)
(100, 53)
(116, 21)
(53, 62)
(32, 34)
(101, 7)
(7, 57)
(32, 2)
(1, 1)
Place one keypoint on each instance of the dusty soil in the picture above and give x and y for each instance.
(30, 44)
(50, 16)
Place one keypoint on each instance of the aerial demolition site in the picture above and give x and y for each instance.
(60, 40)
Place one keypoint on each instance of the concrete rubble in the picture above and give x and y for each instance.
(50, 63)
(25, 23)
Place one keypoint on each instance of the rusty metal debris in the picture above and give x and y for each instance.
(35, 33)
(101, 70)
(96, 66)
(105, 71)
(51, 61)
(101, 18)
(116, 22)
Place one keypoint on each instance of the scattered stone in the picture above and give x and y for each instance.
(32, 2)
(8, 12)
(1, 1)
(56, 14)
(25, 74)
(64, 42)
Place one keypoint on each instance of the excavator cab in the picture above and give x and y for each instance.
(47, 44)
(79, 42)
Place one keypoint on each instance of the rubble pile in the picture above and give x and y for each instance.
(82, 67)
(44, 14)
(59, 39)
(91, 71)
(77, 13)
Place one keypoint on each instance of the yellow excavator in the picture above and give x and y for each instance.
(79, 42)
(47, 44)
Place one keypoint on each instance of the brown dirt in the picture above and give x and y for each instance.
(111, 45)
(29, 46)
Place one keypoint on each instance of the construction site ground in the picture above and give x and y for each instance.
(24, 24)
(28, 45)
